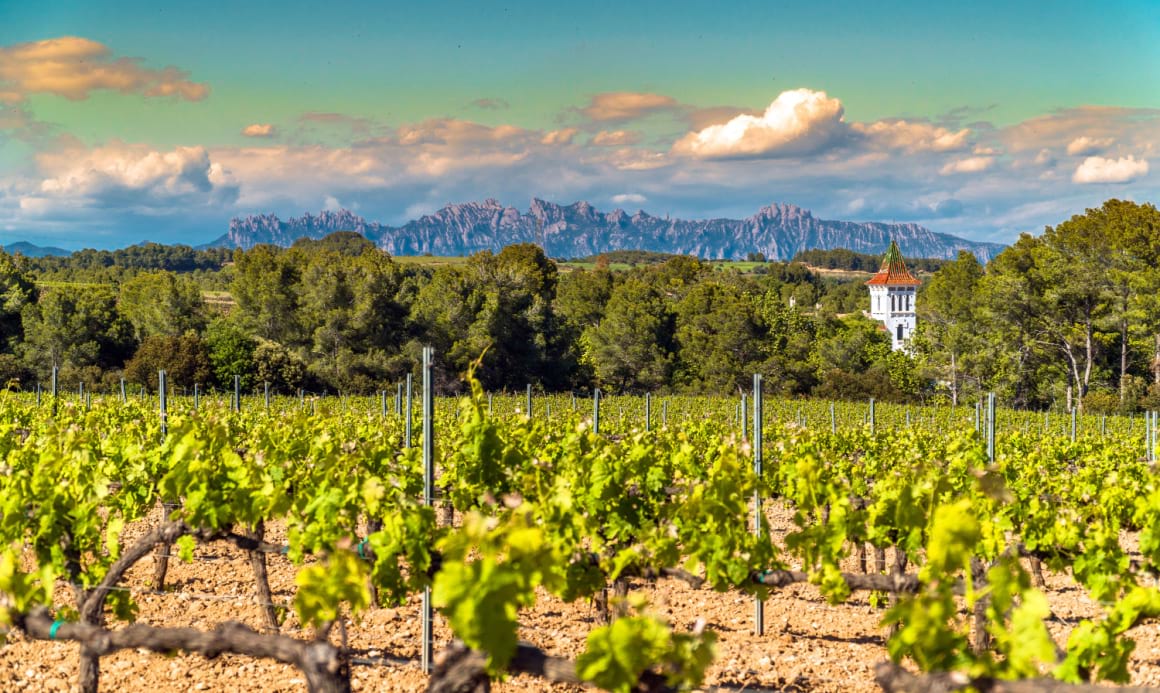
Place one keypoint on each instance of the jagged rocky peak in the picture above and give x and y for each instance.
(781, 210)
(510, 216)
(547, 211)
(464, 211)
(341, 217)
(257, 221)
(583, 209)
(487, 207)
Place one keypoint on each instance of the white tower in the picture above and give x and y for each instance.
(892, 297)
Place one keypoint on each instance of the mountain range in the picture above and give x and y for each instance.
(779, 231)
(30, 250)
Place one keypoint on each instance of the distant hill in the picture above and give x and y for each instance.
(779, 231)
(849, 261)
(29, 250)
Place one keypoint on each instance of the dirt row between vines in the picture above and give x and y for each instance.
(808, 645)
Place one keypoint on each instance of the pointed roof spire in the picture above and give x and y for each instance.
(893, 271)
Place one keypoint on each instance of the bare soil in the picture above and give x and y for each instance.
(808, 645)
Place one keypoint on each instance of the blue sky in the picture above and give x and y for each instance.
(124, 121)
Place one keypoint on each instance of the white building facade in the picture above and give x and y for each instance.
(893, 291)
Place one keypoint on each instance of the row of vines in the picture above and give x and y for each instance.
(531, 501)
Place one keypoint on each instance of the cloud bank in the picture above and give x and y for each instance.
(803, 122)
(121, 173)
(629, 148)
(912, 136)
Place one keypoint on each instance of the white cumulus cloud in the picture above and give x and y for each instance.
(1088, 145)
(972, 164)
(73, 67)
(801, 121)
(259, 130)
(615, 138)
(456, 132)
(913, 136)
(561, 137)
(134, 176)
(629, 198)
(1097, 169)
(626, 105)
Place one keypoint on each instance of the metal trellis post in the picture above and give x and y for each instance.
(428, 489)
(407, 413)
(991, 426)
(758, 604)
(162, 395)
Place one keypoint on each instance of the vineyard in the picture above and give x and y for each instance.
(630, 543)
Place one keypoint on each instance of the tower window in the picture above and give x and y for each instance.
(900, 333)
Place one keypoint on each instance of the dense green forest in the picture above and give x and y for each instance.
(1068, 316)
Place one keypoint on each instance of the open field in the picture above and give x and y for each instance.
(218, 299)
(430, 260)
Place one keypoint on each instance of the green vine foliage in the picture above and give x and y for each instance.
(548, 506)
(616, 655)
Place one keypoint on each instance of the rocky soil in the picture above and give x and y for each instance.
(808, 645)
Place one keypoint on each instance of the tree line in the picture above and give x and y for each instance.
(850, 261)
(338, 314)
(1071, 316)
